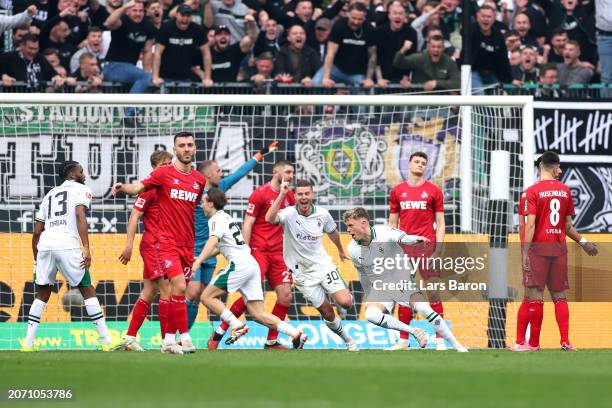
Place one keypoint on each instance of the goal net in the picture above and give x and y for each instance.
(353, 149)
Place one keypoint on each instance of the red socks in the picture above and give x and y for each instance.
(139, 313)
(522, 321)
(404, 314)
(536, 314)
(179, 313)
(562, 315)
(279, 311)
(238, 309)
(439, 309)
(163, 311)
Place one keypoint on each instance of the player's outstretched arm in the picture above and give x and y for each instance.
(231, 179)
(413, 239)
(126, 254)
(81, 222)
(127, 189)
(272, 214)
(335, 238)
(39, 227)
(210, 250)
(589, 247)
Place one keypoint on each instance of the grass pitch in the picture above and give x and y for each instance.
(312, 378)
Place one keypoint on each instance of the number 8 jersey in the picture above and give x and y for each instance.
(57, 211)
(231, 242)
(551, 202)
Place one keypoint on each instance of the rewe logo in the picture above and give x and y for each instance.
(413, 205)
(184, 195)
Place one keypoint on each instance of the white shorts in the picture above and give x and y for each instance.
(244, 277)
(67, 262)
(315, 285)
(390, 306)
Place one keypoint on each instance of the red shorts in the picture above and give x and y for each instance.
(151, 258)
(424, 252)
(176, 260)
(272, 266)
(547, 271)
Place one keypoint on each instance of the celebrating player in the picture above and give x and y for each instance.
(146, 208)
(212, 172)
(59, 232)
(416, 204)
(266, 242)
(314, 274)
(179, 189)
(549, 208)
(242, 273)
(383, 242)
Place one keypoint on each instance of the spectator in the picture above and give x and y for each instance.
(548, 82)
(449, 49)
(513, 41)
(225, 58)
(297, 62)
(430, 15)
(579, 25)
(89, 71)
(351, 51)
(390, 38)
(177, 46)
(69, 13)
(322, 30)
(58, 39)
(39, 17)
(489, 57)
(18, 34)
(27, 65)
(537, 17)
(230, 13)
(604, 43)
(572, 71)
(18, 20)
(450, 21)
(131, 35)
(527, 70)
(93, 45)
(264, 67)
(522, 26)
(558, 41)
(155, 14)
(267, 40)
(98, 13)
(515, 57)
(432, 68)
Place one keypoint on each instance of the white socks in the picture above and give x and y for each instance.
(36, 310)
(287, 329)
(230, 319)
(336, 327)
(377, 317)
(437, 322)
(95, 314)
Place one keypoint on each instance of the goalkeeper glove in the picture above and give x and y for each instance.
(268, 149)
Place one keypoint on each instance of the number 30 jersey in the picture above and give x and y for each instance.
(58, 212)
(231, 243)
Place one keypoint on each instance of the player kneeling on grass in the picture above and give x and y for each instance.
(314, 274)
(383, 243)
(60, 230)
(242, 273)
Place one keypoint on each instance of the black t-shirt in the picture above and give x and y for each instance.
(352, 55)
(40, 17)
(128, 40)
(65, 50)
(31, 72)
(180, 49)
(388, 43)
(99, 16)
(226, 64)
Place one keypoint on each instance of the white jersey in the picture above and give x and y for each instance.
(58, 212)
(303, 249)
(231, 242)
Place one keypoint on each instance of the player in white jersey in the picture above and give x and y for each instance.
(241, 274)
(60, 230)
(314, 273)
(369, 249)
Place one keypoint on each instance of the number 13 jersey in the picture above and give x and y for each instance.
(58, 212)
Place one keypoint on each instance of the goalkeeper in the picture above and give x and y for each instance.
(211, 170)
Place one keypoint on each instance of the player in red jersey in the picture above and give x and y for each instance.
(266, 242)
(549, 208)
(146, 208)
(179, 189)
(415, 205)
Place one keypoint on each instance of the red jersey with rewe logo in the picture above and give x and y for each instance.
(551, 202)
(147, 204)
(266, 237)
(417, 207)
(178, 194)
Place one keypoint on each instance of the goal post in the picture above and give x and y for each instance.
(353, 148)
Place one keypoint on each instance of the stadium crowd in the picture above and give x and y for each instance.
(308, 42)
